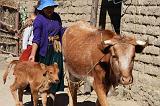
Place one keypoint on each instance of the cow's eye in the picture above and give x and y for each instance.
(115, 57)
(50, 73)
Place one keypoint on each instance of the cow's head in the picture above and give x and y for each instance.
(123, 51)
(51, 72)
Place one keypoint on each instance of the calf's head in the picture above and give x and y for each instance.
(51, 72)
(123, 51)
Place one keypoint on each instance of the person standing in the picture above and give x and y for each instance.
(27, 38)
(114, 8)
(47, 40)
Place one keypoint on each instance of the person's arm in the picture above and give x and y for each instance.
(37, 26)
(33, 53)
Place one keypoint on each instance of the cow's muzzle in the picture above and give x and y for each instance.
(126, 80)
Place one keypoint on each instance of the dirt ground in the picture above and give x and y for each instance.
(62, 98)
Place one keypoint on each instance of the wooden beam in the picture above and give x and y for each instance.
(7, 28)
(4, 52)
(9, 31)
(4, 24)
(9, 37)
(9, 4)
(94, 9)
(16, 34)
(8, 43)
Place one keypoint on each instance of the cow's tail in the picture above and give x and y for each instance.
(8, 70)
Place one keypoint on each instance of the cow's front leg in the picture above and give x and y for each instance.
(73, 91)
(101, 93)
(101, 90)
(73, 87)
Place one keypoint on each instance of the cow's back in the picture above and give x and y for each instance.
(80, 47)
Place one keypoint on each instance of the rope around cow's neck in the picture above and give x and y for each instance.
(81, 81)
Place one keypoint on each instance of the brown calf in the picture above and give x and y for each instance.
(37, 75)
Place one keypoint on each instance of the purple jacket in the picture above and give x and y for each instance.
(43, 27)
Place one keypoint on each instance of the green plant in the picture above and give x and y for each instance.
(23, 14)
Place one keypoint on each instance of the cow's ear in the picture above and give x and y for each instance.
(140, 45)
(104, 48)
(105, 45)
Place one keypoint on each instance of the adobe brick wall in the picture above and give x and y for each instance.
(142, 18)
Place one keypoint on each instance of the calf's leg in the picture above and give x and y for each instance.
(13, 89)
(35, 96)
(44, 98)
(20, 95)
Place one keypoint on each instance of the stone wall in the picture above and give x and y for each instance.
(8, 19)
(142, 18)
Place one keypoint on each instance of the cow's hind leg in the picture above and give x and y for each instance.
(20, 95)
(73, 87)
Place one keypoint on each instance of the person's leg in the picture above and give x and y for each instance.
(114, 11)
(102, 16)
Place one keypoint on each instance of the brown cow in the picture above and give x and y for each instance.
(37, 75)
(101, 56)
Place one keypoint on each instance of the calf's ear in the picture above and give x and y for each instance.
(140, 45)
(44, 69)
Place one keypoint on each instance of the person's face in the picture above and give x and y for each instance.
(48, 11)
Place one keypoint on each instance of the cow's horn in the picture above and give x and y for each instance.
(107, 42)
(139, 42)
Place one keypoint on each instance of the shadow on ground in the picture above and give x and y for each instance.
(86, 103)
(61, 100)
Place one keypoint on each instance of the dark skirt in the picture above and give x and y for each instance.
(51, 57)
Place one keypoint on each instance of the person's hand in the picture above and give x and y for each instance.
(32, 58)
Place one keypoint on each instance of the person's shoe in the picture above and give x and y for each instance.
(51, 99)
(52, 95)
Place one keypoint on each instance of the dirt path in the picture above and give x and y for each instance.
(61, 97)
